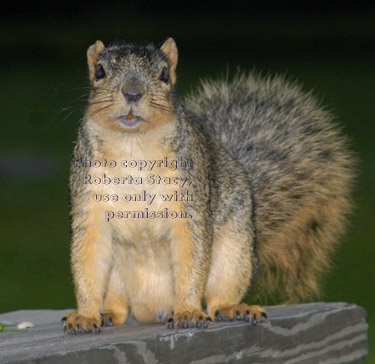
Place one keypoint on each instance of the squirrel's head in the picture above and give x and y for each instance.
(132, 86)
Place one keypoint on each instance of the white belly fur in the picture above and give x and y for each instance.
(141, 246)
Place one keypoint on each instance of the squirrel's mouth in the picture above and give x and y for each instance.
(130, 120)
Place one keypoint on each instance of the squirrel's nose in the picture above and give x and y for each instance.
(133, 91)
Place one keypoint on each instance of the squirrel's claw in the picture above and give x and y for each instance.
(243, 312)
(106, 320)
(76, 324)
(186, 320)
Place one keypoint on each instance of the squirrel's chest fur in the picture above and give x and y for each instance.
(141, 189)
(141, 246)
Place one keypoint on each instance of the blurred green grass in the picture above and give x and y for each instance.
(43, 99)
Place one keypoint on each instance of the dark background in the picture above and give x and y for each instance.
(328, 48)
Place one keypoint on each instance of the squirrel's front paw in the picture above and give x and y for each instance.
(189, 319)
(74, 323)
(252, 314)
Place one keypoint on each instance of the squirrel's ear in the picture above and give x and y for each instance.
(169, 48)
(92, 57)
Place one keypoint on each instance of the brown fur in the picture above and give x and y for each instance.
(300, 171)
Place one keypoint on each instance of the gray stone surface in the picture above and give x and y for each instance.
(307, 333)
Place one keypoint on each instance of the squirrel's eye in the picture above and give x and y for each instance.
(99, 73)
(164, 76)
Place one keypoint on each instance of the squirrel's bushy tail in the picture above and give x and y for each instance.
(300, 169)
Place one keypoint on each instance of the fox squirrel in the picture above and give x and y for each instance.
(175, 205)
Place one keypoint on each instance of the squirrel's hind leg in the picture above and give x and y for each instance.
(232, 267)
